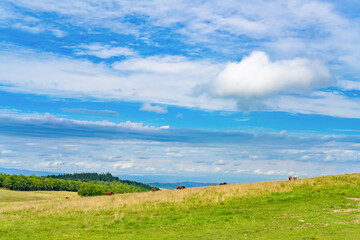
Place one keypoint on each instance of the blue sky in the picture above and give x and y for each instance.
(202, 90)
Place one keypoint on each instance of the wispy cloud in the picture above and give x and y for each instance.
(90, 111)
(153, 108)
(104, 51)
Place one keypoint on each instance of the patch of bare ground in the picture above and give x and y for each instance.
(347, 210)
(355, 199)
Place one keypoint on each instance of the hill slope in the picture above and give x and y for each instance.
(315, 208)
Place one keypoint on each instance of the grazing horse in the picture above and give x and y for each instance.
(290, 178)
(213, 185)
(153, 189)
(180, 187)
(109, 193)
(295, 178)
(223, 183)
(67, 197)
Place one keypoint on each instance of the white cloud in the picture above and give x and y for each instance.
(104, 51)
(90, 111)
(180, 115)
(257, 171)
(256, 76)
(174, 154)
(281, 155)
(270, 172)
(65, 77)
(160, 64)
(31, 144)
(56, 76)
(50, 164)
(147, 107)
(6, 152)
(310, 27)
(39, 29)
(323, 103)
(123, 165)
(349, 85)
(87, 165)
(52, 119)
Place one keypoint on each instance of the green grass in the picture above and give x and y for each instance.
(316, 208)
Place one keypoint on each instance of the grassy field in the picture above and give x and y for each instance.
(315, 208)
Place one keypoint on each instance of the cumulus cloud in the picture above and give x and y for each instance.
(147, 107)
(256, 76)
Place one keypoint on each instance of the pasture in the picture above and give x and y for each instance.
(314, 208)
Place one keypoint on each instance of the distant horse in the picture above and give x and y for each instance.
(109, 193)
(153, 189)
(295, 178)
(223, 183)
(290, 178)
(67, 197)
(180, 187)
(213, 185)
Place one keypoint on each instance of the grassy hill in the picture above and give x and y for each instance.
(314, 208)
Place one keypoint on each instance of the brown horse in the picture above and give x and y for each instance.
(153, 189)
(180, 187)
(223, 183)
(213, 185)
(67, 197)
(290, 178)
(109, 193)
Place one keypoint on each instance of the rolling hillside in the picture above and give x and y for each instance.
(314, 208)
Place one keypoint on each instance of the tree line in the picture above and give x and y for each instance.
(34, 183)
(103, 177)
(86, 177)
(89, 183)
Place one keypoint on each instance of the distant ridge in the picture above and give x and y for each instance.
(26, 172)
(175, 184)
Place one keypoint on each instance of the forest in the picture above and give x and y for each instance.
(100, 178)
(72, 182)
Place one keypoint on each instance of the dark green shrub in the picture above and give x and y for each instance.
(92, 189)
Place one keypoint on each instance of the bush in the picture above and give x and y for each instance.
(92, 189)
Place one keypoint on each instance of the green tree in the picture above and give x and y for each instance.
(9, 182)
(92, 189)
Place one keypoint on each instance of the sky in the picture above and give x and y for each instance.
(192, 90)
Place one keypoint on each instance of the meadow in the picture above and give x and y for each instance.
(312, 208)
